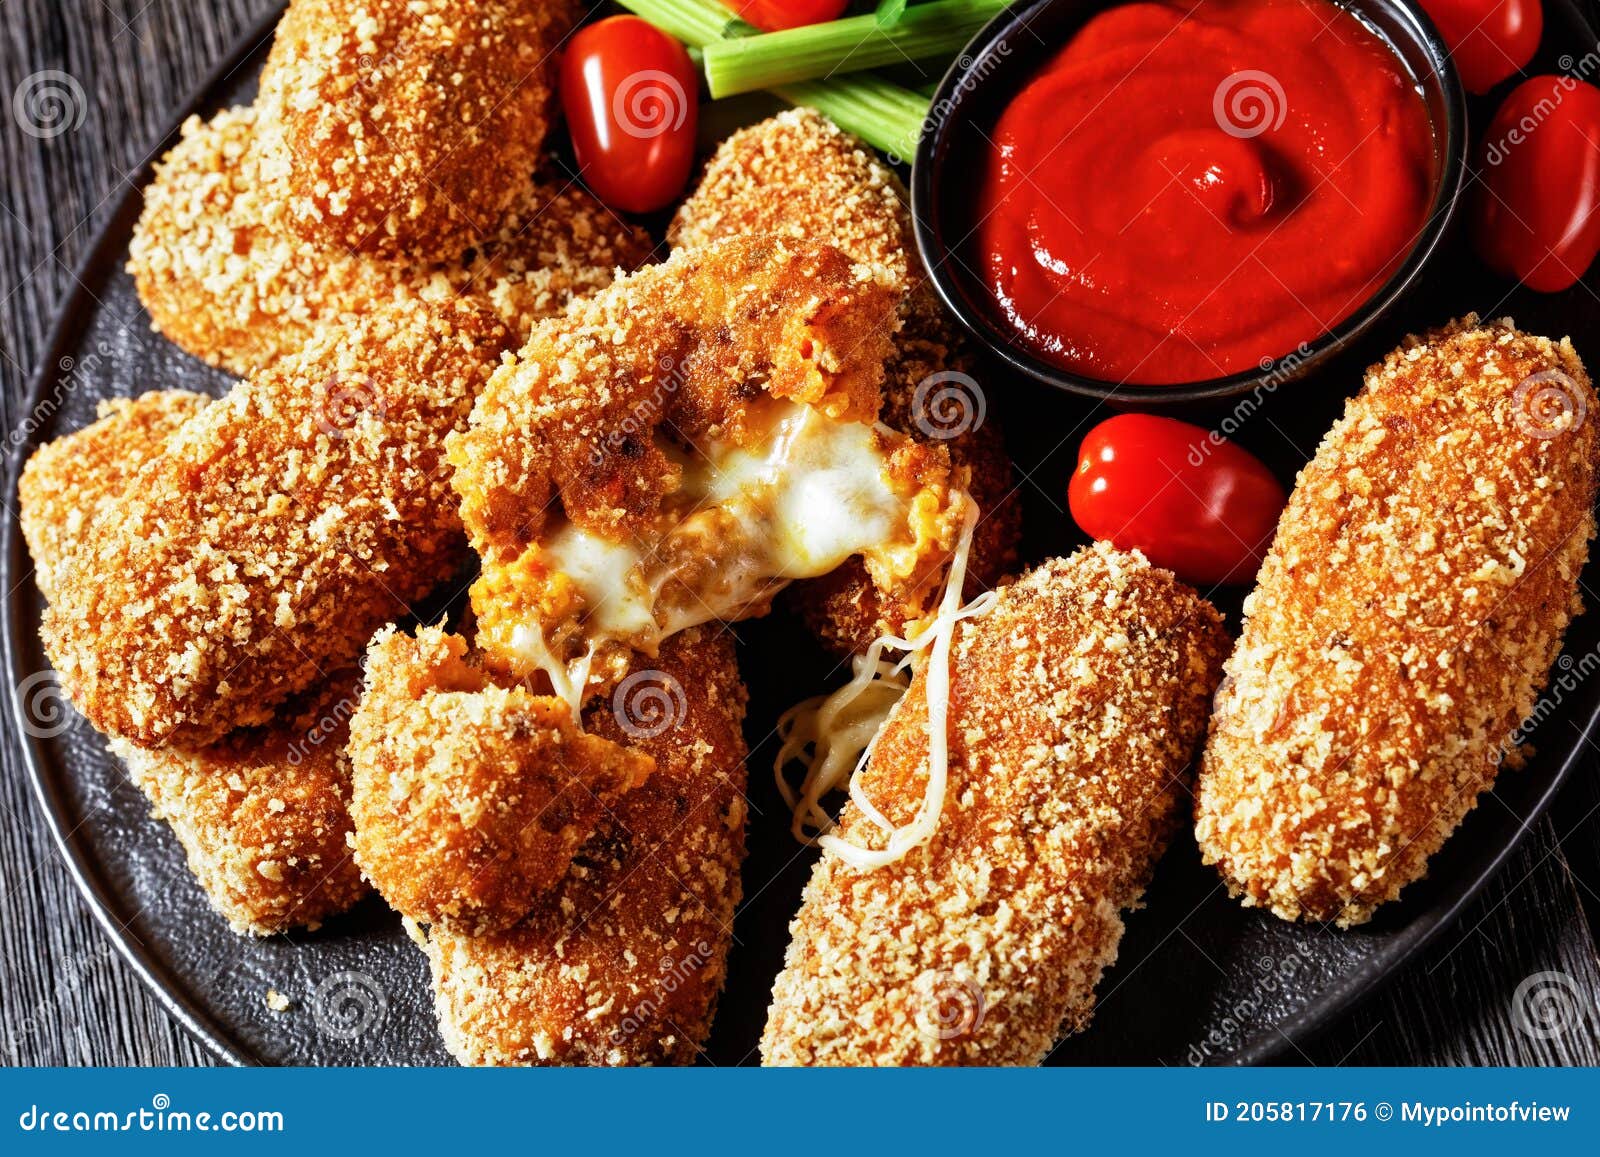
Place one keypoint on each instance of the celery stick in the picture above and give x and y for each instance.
(884, 115)
(818, 51)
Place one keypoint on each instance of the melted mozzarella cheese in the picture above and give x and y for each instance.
(808, 497)
(833, 736)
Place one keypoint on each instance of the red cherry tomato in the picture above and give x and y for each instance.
(776, 15)
(1192, 502)
(1489, 40)
(631, 96)
(1537, 214)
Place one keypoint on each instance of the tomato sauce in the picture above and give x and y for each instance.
(1188, 190)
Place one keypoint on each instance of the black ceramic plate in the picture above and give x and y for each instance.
(1199, 978)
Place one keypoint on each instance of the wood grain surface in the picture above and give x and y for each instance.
(67, 999)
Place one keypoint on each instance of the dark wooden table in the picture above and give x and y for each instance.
(66, 998)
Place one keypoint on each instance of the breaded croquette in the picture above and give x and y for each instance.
(275, 532)
(1404, 620)
(470, 799)
(707, 426)
(411, 127)
(224, 276)
(798, 175)
(1075, 704)
(622, 964)
(263, 814)
(66, 483)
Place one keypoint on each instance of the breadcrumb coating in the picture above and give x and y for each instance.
(798, 175)
(410, 127)
(223, 275)
(263, 814)
(601, 407)
(1075, 705)
(275, 532)
(470, 799)
(66, 483)
(623, 963)
(1403, 622)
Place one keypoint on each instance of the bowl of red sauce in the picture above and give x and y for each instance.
(1175, 202)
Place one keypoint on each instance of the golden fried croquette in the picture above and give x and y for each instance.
(622, 964)
(68, 482)
(709, 331)
(275, 532)
(798, 175)
(263, 814)
(1404, 620)
(411, 127)
(224, 276)
(1075, 705)
(706, 425)
(470, 799)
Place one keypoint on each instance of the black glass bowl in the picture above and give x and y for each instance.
(1008, 53)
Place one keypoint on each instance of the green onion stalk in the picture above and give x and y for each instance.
(885, 115)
